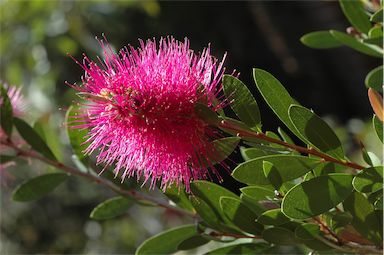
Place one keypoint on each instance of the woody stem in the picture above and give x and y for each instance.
(310, 151)
(95, 178)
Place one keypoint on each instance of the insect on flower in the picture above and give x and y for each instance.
(140, 110)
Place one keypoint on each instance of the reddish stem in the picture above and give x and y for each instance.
(310, 151)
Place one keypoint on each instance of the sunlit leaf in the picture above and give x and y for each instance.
(242, 102)
(273, 217)
(307, 231)
(276, 96)
(320, 40)
(288, 167)
(356, 15)
(378, 16)
(166, 242)
(316, 131)
(374, 79)
(240, 215)
(316, 196)
(378, 126)
(354, 43)
(369, 180)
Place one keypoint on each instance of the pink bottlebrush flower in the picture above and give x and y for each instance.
(140, 110)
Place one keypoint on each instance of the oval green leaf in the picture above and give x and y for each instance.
(307, 231)
(6, 120)
(166, 242)
(316, 196)
(354, 43)
(33, 138)
(374, 79)
(179, 197)
(320, 40)
(37, 187)
(76, 136)
(211, 193)
(378, 126)
(111, 208)
(364, 218)
(278, 235)
(240, 215)
(242, 102)
(378, 16)
(288, 167)
(316, 131)
(369, 180)
(258, 193)
(273, 217)
(243, 249)
(356, 15)
(192, 242)
(276, 96)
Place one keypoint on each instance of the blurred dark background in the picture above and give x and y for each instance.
(37, 35)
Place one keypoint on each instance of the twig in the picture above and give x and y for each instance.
(74, 171)
(246, 133)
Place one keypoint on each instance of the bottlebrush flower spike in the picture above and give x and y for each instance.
(140, 110)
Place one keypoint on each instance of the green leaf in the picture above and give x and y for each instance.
(288, 167)
(316, 196)
(242, 102)
(364, 217)
(378, 126)
(374, 79)
(251, 153)
(369, 180)
(207, 213)
(320, 40)
(307, 231)
(255, 197)
(316, 131)
(243, 249)
(167, 242)
(356, 15)
(6, 158)
(279, 235)
(240, 215)
(276, 96)
(111, 208)
(6, 112)
(274, 136)
(273, 217)
(206, 114)
(192, 242)
(223, 148)
(375, 31)
(377, 16)
(77, 137)
(37, 187)
(33, 139)
(339, 220)
(285, 136)
(272, 174)
(375, 40)
(179, 197)
(211, 194)
(258, 193)
(354, 43)
(370, 158)
(379, 203)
